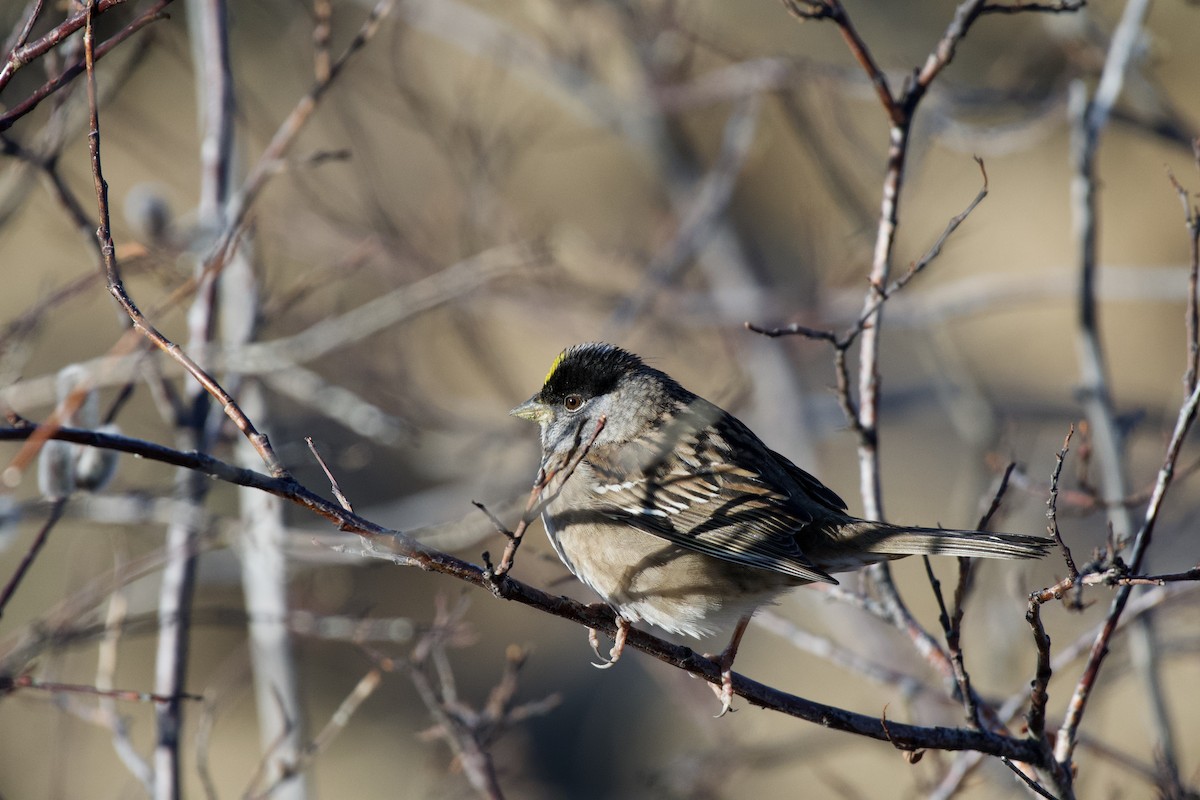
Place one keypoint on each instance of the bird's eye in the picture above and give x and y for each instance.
(573, 402)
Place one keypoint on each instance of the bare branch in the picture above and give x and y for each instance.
(550, 479)
(15, 112)
(1052, 506)
(333, 484)
(56, 511)
(394, 546)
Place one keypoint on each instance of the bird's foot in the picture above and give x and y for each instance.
(618, 644)
(724, 692)
(724, 662)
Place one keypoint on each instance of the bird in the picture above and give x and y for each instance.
(677, 515)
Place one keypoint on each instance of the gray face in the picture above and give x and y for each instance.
(588, 381)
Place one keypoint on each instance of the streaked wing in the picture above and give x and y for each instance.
(811, 486)
(690, 488)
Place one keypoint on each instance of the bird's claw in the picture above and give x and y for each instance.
(724, 693)
(618, 647)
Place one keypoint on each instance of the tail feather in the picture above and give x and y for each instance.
(895, 541)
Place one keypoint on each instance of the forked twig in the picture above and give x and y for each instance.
(536, 502)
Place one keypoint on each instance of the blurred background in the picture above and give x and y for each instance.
(487, 183)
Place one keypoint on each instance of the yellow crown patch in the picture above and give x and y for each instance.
(554, 366)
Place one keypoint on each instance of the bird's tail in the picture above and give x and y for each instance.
(893, 541)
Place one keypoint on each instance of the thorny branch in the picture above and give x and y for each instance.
(1039, 689)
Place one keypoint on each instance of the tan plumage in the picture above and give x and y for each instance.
(680, 516)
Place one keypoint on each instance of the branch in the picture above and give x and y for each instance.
(1089, 120)
(395, 546)
(23, 53)
(155, 13)
(56, 511)
(557, 476)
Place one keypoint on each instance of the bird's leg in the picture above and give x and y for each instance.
(724, 693)
(617, 648)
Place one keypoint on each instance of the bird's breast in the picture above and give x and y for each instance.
(647, 578)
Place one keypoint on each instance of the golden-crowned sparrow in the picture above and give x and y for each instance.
(679, 516)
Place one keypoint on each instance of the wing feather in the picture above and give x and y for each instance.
(744, 504)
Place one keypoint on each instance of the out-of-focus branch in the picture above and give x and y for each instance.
(106, 667)
(15, 112)
(10, 587)
(1089, 120)
(24, 52)
(20, 37)
(844, 658)
(326, 335)
(699, 221)
(336, 724)
(272, 156)
(235, 292)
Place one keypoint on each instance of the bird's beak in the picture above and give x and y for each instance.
(533, 410)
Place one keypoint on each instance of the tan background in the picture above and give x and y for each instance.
(452, 154)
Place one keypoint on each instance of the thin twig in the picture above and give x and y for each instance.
(900, 110)
(1021, 7)
(966, 763)
(35, 11)
(18, 110)
(23, 53)
(1065, 742)
(116, 285)
(833, 10)
(1052, 506)
(1191, 216)
(533, 507)
(952, 622)
(333, 484)
(844, 341)
(1030, 784)
(129, 695)
(56, 511)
